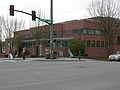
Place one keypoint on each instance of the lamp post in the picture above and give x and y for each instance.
(51, 30)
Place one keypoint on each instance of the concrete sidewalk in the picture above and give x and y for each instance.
(57, 59)
(43, 59)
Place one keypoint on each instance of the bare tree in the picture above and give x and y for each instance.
(1, 27)
(39, 31)
(18, 43)
(37, 23)
(11, 25)
(2, 36)
(106, 13)
(1, 19)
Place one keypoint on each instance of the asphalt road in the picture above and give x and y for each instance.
(36, 75)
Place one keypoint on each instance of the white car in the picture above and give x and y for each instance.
(115, 56)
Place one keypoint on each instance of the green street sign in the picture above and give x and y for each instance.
(46, 20)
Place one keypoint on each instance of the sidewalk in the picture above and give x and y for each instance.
(43, 59)
(58, 59)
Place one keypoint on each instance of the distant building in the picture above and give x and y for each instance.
(85, 29)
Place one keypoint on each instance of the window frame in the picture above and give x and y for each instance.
(88, 43)
(75, 32)
(98, 44)
(93, 43)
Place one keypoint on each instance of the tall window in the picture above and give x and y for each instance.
(88, 43)
(102, 44)
(93, 43)
(98, 44)
(106, 44)
(118, 40)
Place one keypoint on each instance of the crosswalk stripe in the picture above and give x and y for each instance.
(8, 61)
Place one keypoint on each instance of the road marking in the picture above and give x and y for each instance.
(8, 61)
(1, 61)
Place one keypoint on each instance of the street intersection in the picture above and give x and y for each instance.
(37, 74)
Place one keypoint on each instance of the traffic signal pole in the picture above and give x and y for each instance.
(36, 16)
(50, 22)
(51, 30)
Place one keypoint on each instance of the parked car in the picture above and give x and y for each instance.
(115, 56)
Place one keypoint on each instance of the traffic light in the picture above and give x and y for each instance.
(11, 10)
(33, 15)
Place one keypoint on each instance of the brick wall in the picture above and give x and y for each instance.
(64, 30)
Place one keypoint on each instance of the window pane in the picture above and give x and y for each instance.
(90, 31)
(88, 43)
(97, 32)
(85, 31)
(106, 44)
(27, 44)
(98, 44)
(118, 40)
(81, 31)
(93, 43)
(75, 32)
(102, 43)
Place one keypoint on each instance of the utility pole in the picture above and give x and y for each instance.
(51, 30)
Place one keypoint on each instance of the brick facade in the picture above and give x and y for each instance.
(96, 47)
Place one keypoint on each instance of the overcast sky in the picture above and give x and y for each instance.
(64, 10)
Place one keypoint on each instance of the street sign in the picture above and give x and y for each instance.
(46, 20)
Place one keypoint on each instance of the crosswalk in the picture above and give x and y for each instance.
(12, 60)
(8, 61)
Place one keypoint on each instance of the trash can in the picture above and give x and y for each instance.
(47, 55)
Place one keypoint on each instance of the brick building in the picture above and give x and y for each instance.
(85, 29)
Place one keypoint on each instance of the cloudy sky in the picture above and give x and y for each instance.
(64, 10)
